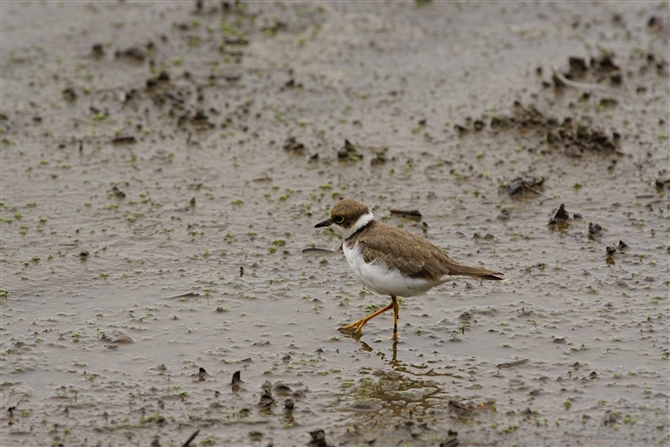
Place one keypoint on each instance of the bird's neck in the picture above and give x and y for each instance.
(361, 223)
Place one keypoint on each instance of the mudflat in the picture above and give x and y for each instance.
(163, 165)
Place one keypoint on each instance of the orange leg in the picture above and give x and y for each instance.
(358, 325)
(396, 314)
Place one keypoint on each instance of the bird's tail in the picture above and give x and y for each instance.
(475, 272)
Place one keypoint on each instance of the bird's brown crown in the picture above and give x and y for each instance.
(346, 212)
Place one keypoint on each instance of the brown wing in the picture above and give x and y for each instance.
(414, 255)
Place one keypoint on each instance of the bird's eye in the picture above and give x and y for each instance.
(339, 219)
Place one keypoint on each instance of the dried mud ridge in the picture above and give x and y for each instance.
(574, 138)
(576, 135)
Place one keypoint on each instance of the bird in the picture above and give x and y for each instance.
(392, 261)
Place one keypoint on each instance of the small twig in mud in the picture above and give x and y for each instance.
(532, 190)
(574, 84)
(520, 184)
(453, 442)
(183, 295)
(413, 213)
(511, 364)
(126, 139)
(306, 250)
(188, 441)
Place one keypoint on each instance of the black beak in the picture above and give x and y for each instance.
(325, 223)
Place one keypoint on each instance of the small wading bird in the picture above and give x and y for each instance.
(391, 261)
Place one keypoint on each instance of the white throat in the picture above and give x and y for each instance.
(360, 223)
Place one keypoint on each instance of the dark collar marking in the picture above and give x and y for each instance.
(367, 225)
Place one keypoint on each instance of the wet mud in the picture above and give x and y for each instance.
(163, 166)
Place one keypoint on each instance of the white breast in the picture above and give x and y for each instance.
(379, 277)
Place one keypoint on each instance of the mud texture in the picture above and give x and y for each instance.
(163, 167)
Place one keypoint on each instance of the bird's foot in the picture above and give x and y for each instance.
(351, 333)
(356, 325)
(354, 329)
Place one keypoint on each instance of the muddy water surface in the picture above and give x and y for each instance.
(163, 167)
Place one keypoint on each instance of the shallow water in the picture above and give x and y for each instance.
(101, 241)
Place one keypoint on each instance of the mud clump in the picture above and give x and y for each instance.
(266, 401)
(291, 84)
(662, 182)
(70, 94)
(577, 64)
(200, 120)
(379, 155)
(162, 77)
(318, 438)
(349, 151)
(595, 230)
(520, 185)
(576, 138)
(98, 50)
(133, 53)
(116, 192)
(611, 250)
(596, 70)
(608, 102)
(293, 145)
(562, 217)
(523, 117)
